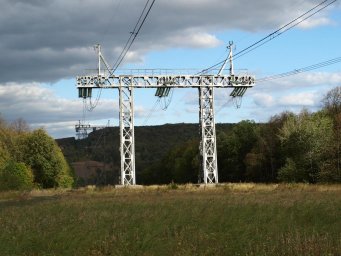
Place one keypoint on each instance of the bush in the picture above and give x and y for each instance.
(16, 176)
(173, 185)
(64, 181)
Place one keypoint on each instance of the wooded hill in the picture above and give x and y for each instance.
(153, 143)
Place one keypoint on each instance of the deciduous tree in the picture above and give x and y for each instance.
(44, 156)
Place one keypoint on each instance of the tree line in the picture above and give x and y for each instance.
(30, 159)
(291, 147)
(303, 147)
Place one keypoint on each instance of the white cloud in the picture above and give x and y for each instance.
(299, 99)
(303, 81)
(40, 107)
(57, 130)
(315, 22)
(37, 104)
(322, 77)
(134, 57)
(263, 99)
(194, 39)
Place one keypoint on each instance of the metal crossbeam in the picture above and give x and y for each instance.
(178, 81)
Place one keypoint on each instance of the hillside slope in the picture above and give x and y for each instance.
(152, 144)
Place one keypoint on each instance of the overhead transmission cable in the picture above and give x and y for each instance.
(101, 135)
(301, 70)
(223, 106)
(276, 33)
(152, 110)
(292, 73)
(126, 48)
(134, 34)
(92, 105)
(285, 30)
(167, 100)
(162, 104)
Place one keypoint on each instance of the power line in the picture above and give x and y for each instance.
(276, 33)
(133, 34)
(239, 54)
(167, 100)
(101, 135)
(301, 70)
(224, 105)
(152, 110)
(126, 48)
(289, 25)
(92, 105)
(290, 73)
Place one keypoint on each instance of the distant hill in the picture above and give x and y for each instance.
(151, 144)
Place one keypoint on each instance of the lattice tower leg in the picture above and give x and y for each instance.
(127, 141)
(208, 147)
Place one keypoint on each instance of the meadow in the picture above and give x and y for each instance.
(229, 219)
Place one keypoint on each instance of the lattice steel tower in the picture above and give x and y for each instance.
(126, 84)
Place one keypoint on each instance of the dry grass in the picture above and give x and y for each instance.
(228, 219)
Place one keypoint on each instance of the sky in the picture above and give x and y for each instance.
(44, 45)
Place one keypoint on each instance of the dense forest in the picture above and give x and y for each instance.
(30, 159)
(290, 147)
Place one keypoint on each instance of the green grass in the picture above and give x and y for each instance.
(232, 219)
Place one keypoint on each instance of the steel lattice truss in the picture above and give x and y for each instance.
(180, 81)
(126, 85)
(208, 135)
(127, 142)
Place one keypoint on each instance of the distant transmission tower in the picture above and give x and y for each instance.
(82, 130)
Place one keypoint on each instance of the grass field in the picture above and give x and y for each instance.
(231, 219)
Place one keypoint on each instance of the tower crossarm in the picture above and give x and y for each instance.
(173, 81)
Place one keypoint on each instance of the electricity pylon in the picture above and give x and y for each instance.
(126, 85)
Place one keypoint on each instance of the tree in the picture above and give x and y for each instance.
(16, 176)
(290, 172)
(304, 140)
(265, 158)
(332, 168)
(233, 148)
(180, 165)
(20, 126)
(4, 156)
(43, 155)
(4, 143)
(332, 101)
